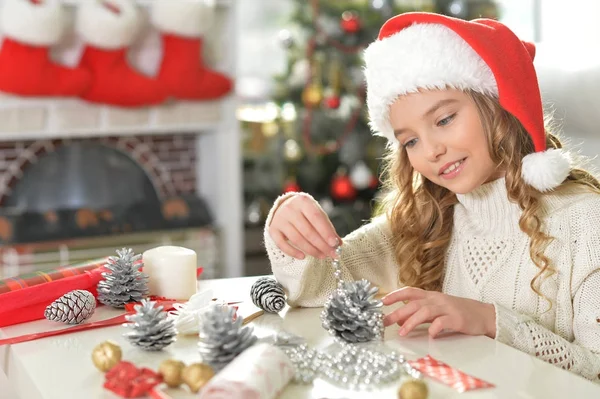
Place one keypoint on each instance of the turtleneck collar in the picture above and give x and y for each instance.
(488, 209)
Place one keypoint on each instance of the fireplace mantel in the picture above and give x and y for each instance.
(218, 154)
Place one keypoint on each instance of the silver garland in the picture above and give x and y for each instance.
(349, 364)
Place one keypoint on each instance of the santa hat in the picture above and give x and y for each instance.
(430, 51)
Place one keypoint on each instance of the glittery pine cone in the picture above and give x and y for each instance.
(352, 314)
(123, 282)
(72, 308)
(152, 330)
(268, 294)
(221, 337)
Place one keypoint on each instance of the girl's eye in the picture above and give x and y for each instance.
(410, 143)
(446, 120)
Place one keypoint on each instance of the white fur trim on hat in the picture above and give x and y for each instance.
(421, 56)
(190, 18)
(546, 170)
(108, 24)
(35, 24)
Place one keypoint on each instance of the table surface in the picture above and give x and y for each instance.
(61, 368)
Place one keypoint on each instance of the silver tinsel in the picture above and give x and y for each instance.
(221, 337)
(351, 313)
(72, 308)
(152, 330)
(358, 359)
(267, 293)
(123, 283)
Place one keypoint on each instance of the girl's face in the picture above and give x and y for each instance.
(444, 138)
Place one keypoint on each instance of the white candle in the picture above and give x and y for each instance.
(171, 271)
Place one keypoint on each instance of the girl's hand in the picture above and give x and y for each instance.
(300, 227)
(443, 311)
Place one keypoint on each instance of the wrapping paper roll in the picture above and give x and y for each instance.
(260, 372)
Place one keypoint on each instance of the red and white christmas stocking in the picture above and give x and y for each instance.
(182, 24)
(108, 28)
(30, 28)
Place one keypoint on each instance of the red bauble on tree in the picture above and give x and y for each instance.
(341, 187)
(291, 186)
(350, 22)
(332, 101)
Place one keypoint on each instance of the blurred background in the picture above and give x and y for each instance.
(81, 176)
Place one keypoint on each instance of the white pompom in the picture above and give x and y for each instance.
(546, 170)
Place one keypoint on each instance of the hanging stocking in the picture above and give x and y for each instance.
(182, 24)
(30, 27)
(108, 27)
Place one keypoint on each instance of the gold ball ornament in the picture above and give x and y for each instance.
(171, 372)
(106, 355)
(312, 95)
(413, 389)
(196, 375)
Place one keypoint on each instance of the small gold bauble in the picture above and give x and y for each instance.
(196, 375)
(413, 389)
(312, 95)
(171, 372)
(106, 355)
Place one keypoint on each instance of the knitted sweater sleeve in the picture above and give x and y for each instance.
(582, 354)
(366, 253)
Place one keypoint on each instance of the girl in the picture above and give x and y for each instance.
(487, 227)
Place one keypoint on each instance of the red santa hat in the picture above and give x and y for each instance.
(430, 51)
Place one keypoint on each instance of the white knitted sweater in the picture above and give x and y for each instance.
(488, 260)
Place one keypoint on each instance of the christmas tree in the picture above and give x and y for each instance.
(322, 142)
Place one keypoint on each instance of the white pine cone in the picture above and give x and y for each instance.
(72, 308)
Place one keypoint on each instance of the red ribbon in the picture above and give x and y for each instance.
(128, 381)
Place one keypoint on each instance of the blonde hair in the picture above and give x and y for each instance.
(421, 212)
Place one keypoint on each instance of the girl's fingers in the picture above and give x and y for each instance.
(439, 324)
(282, 244)
(297, 239)
(425, 314)
(401, 314)
(321, 223)
(404, 294)
(306, 227)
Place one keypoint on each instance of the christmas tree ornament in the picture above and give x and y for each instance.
(221, 337)
(186, 316)
(171, 371)
(351, 313)
(123, 282)
(312, 95)
(30, 29)
(106, 355)
(350, 22)
(457, 8)
(292, 151)
(413, 389)
(196, 375)
(267, 293)
(72, 308)
(291, 186)
(108, 29)
(299, 71)
(285, 38)
(151, 329)
(341, 186)
(332, 94)
(182, 71)
(361, 176)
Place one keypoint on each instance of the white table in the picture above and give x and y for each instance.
(61, 367)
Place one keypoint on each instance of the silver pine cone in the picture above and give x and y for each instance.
(352, 314)
(72, 308)
(152, 330)
(267, 293)
(221, 337)
(123, 282)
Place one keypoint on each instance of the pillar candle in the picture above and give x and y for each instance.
(171, 271)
